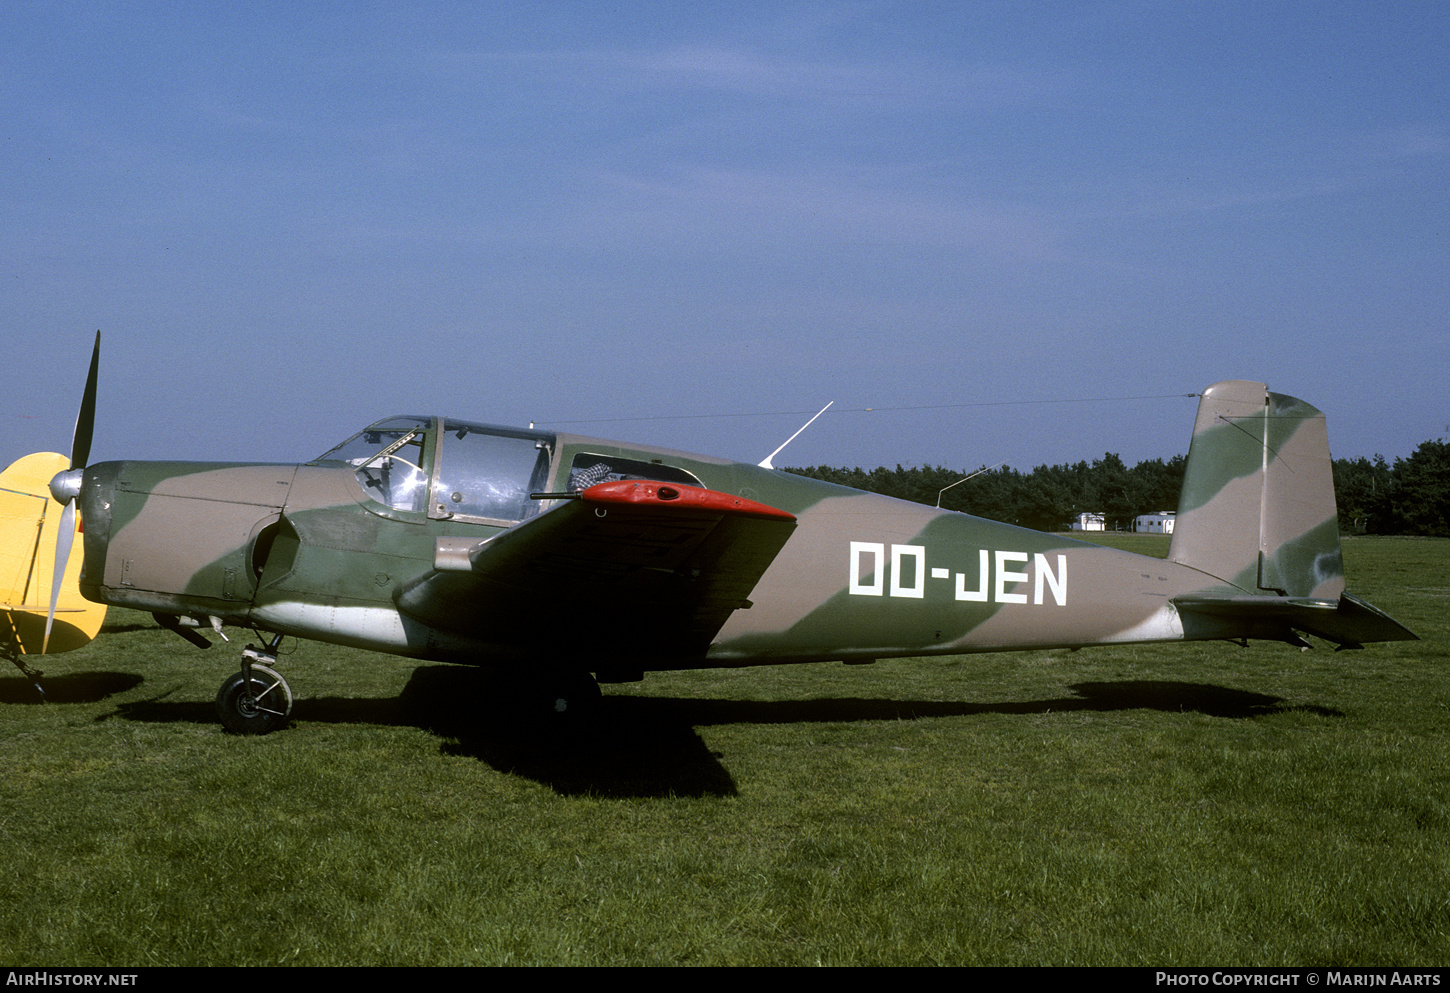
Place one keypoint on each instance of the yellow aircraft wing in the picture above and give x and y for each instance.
(29, 532)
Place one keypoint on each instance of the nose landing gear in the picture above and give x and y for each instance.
(257, 699)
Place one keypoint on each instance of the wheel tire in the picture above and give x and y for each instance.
(268, 710)
(573, 696)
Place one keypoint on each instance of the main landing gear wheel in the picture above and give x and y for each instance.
(574, 695)
(256, 705)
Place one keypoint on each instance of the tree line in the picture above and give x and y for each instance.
(1410, 496)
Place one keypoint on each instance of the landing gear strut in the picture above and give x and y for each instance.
(257, 699)
(28, 672)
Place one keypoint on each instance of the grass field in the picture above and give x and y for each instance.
(1175, 805)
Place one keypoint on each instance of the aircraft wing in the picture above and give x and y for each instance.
(628, 569)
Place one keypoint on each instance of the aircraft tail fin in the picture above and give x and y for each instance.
(30, 522)
(1257, 512)
(1257, 507)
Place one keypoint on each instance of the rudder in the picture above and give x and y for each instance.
(1257, 508)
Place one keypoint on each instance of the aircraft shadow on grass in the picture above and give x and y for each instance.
(76, 687)
(637, 746)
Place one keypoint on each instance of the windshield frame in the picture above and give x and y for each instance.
(386, 425)
(358, 454)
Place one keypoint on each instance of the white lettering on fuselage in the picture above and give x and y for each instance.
(996, 576)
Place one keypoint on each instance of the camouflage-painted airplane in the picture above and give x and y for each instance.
(572, 558)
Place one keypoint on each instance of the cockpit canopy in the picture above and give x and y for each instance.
(449, 468)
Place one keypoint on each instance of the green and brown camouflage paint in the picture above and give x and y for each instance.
(306, 551)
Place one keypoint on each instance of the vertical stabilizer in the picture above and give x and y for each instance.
(1257, 508)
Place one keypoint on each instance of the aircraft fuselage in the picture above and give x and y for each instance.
(307, 550)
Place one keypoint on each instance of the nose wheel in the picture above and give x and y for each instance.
(257, 699)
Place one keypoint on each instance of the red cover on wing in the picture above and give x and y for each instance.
(648, 493)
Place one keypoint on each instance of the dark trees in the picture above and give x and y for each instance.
(1410, 497)
(1420, 491)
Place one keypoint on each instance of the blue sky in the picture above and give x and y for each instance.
(1013, 231)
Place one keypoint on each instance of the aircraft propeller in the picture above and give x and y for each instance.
(66, 486)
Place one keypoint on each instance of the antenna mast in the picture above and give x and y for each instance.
(765, 463)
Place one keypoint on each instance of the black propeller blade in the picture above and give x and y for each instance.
(80, 449)
(66, 487)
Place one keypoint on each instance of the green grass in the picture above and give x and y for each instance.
(1174, 805)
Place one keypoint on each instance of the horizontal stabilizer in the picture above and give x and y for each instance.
(1349, 622)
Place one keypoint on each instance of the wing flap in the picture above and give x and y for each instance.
(627, 569)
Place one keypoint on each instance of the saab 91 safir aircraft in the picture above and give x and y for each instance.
(569, 558)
